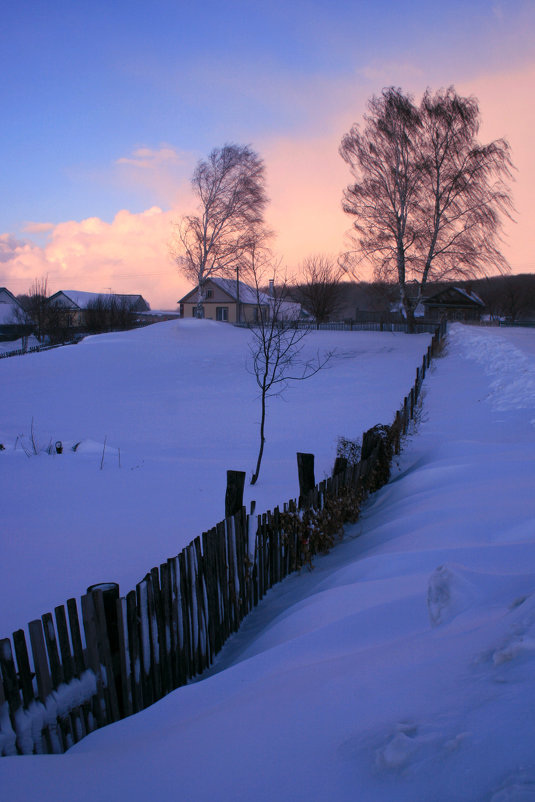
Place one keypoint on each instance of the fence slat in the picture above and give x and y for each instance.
(76, 638)
(56, 669)
(105, 655)
(23, 665)
(153, 587)
(166, 646)
(135, 656)
(147, 688)
(64, 645)
(99, 708)
(125, 701)
(37, 640)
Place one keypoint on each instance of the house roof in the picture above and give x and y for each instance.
(248, 294)
(11, 298)
(8, 305)
(454, 296)
(287, 310)
(228, 285)
(80, 300)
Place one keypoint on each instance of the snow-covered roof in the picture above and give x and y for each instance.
(452, 296)
(472, 296)
(7, 297)
(9, 306)
(7, 314)
(248, 294)
(286, 310)
(76, 297)
(81, 299)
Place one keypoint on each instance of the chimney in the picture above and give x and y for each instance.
(271, 286)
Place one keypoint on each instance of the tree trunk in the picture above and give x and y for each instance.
(262, 439)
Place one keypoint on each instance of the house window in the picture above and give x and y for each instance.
(197, 311)
(208, 293)
(221, 313)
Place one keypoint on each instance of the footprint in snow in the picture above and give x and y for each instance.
(450, 591)
(411, 745)
(515, 789)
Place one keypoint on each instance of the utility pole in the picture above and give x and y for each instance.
(238, 316)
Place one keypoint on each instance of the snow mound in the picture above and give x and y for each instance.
(512, 371)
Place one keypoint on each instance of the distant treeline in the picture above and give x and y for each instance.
(511, 297)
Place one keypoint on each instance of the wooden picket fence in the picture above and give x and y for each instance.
(109, 656)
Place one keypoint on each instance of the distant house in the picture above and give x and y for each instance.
(454, 303)
(13, 322)
(75, 304)
(10, 309)
(227, 300)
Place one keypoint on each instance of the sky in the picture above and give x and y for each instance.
(106, 109)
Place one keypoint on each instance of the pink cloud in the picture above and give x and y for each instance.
(306, 177)
(164, 172)
(37, 228)
(130, 254)
(149, 159)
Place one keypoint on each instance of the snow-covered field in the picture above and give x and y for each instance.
(177, 408)
(402, 667)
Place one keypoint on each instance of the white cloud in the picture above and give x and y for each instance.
(145, 158)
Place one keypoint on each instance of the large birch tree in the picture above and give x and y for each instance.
(428, 200)
(231, 198)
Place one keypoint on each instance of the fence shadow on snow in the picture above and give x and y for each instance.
(109, 656)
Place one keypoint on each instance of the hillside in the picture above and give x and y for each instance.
(400, 668)
(176, 407)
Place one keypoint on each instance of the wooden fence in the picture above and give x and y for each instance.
(420, 327)
(109, 656)
(33, 349)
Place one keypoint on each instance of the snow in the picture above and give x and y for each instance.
(15, 345)
(82, 299)
(402, 666)
(176, 408)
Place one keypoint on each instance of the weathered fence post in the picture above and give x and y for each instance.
(305, 470)
(234, 494)
(110, 596)
(340, 465)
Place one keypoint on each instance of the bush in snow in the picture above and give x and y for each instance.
(317, 530)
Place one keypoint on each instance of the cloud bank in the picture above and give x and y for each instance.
(306, 177)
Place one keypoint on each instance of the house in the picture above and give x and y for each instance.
(454, 303)
(234, 301)
(76, 304)
(10, 309)
(13, 321)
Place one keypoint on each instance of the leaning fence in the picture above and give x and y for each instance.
(108, 656)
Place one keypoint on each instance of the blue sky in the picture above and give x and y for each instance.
(89, 91)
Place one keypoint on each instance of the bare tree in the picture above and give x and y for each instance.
(109, 313)
(230, 189)
(387, 180)
(276, 346)
(320, 288)
(428, 198)
(35, 304)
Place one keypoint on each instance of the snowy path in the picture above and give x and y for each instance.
(401, 668)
